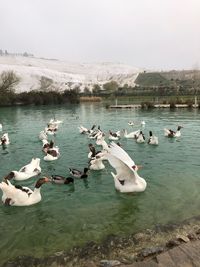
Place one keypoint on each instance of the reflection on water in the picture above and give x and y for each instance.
(91, 209)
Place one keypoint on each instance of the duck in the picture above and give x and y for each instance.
(153, 140)
(96, 163)
(20, 195)
(126, 179)
(131, 135)
(58, 179)
(170, 133)
(140, 138)
(26, 172)
(79, 174)
(4, 139)
(114, 136)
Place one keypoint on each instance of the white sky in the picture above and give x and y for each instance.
(153, 34)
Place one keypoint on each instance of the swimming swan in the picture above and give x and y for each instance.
(27, 171)
(153, 140)
(126, 179)
(21, 195)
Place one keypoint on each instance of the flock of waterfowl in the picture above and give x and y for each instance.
(126, 178)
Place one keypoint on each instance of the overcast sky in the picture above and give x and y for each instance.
(152, 34)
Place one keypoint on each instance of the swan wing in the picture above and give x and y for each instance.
(166, 132)
(121, 154)
(124, 172)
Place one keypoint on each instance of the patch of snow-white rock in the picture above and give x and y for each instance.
(66, 75)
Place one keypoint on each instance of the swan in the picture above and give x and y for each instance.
(114, 136)
(4, 139)
(83, 130)
(131, 123)
(43, 135)
(126, 179)
(21, 195)
(27, 171)
(170, 133)
(79, 174)
(52, 154)
(1, 127)
(58, 179)
(132, 134)
(153, 140)
(51, 130)
(140, 138)
(55, 122)
(96, 163)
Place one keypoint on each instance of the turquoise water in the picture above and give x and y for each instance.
(92, 209)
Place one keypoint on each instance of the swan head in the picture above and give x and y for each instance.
(150, 133)
(10, 176)
(179, 127)
(41, 181)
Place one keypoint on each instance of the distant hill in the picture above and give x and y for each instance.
(168, 78)
(61, 75)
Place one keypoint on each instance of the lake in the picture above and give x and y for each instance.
(70, 215)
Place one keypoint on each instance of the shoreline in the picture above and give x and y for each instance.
(119, 251)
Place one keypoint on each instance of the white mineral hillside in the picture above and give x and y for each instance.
(64, 75)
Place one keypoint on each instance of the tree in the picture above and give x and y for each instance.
(111, 86)
(8, 80)
(96, 89)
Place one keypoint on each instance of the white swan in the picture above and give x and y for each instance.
(4, 139)
(170, 133)
(43, 135)
(1, 127)
(132, 134)
(52, 154)
(153, 140)
(140, 138)
(127, 179)
(131, 123)
(114, 136)
(21, 196)
(27, 171)
(83, 130)
(96, 163)
(54, 121)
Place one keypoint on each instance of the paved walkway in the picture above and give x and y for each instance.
(185, 255)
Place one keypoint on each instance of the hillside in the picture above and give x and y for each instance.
(63, 75)
(168, 78)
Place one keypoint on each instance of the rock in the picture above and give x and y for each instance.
(183, 238)
(89, 264)
(109, 263)
(172, 243)
(192, 236)
(150, 251)
(140, 237)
